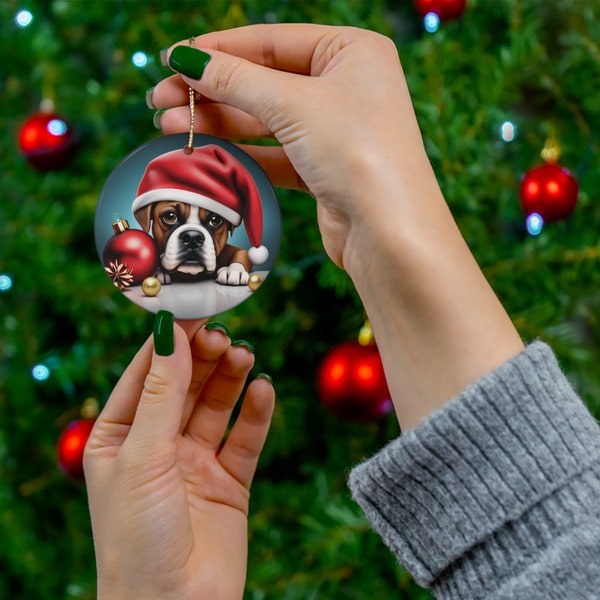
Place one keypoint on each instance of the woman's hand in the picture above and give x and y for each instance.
(336, 100)
(168, 500)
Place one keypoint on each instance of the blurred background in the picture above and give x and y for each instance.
(495, 86)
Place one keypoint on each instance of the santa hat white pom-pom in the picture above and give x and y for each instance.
(258, 255)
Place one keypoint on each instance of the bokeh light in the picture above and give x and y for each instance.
(40, 372)
(57, 127)
(508, 131)
(431, 22)
(23, 18)
(534, 224)
(139, 59)
(5, 282)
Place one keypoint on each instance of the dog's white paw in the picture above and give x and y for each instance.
(234, 274)
(163, 277)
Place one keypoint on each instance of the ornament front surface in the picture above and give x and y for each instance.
(203, 224)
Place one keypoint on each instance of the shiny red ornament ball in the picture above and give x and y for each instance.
(71, 445)
(136, 251)
(550, 191)
(351, 383)
(444, 9)
(46, 141)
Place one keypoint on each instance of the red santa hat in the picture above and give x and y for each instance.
(210, 178)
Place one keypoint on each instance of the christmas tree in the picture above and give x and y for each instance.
(492, 87)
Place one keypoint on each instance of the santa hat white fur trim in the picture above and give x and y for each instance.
(189, 197)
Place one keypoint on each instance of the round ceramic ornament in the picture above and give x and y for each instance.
(192, 229)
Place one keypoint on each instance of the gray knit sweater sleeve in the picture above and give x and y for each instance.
(497, 495)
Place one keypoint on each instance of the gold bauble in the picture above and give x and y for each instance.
(365, 335)
(151, 286)
(255, 281)
(90, 408)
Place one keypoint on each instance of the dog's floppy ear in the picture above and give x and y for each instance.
(144, 216)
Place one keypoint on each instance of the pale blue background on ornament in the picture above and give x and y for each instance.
(120, 189)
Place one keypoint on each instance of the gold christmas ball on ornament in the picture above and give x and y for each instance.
(255, 281)
(151, 286)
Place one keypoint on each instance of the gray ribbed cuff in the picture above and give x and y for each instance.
(484, 475)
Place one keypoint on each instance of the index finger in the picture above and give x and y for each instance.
(284, 46)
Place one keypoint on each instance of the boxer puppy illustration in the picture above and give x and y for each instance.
(191, 203)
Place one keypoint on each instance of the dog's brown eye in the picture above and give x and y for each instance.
(169, 217)
(215, 221)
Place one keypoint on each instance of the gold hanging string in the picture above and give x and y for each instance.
(193, 96)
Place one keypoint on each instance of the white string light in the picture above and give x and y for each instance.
(23, 18)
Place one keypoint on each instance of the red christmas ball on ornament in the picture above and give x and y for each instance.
(71, 445)
(130, 256)
(46, 141)
(550, 191)
(352, 384)
(444, 9)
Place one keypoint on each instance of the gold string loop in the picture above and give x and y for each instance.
(193, 96)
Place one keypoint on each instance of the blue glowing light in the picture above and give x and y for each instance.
(508, 131)
(57, 127)
(534, 224)
(23, 18)
(139, 59)
(431, 22)
(5, 282)
(40, 372)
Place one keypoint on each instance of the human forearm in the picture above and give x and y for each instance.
(437, 322)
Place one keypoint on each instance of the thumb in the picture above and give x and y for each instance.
(257, 90)
(160, 409)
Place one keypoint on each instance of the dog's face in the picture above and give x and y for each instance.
(189, 238)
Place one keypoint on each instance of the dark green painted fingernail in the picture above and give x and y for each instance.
(245, 344)
(164, 339)
(156, 118)
(214, 326)
(163, 57)
(189, 61)
(265, 376)
(149, 102)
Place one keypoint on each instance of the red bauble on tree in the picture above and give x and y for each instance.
(550, 191)
(71, 445)
(352, 384)
(130, 256)
(46, 141)
(444, 9)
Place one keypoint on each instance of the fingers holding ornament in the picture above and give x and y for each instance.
(213, 119)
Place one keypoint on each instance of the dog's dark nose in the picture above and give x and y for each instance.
(192, 239)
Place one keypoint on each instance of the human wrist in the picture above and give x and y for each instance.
(394, 221)
(120, 584)
(438, 324)
(109, 589)
(113, 590)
